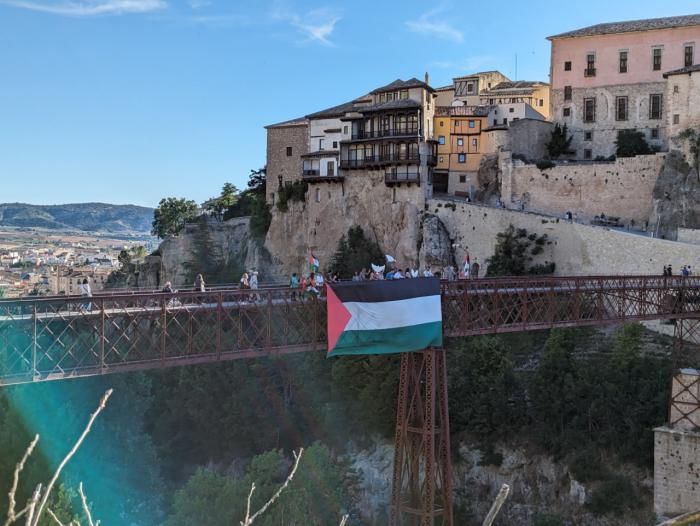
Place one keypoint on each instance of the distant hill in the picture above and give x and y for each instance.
(99, 218)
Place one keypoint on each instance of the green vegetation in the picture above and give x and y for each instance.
(514, 252)
(172, 215)
(615, 495)
(219, 205)
(251, 202)
(630, 143)
(290, 193)
(559, 142)
(355, 252)
(320, 493)
(545, 165)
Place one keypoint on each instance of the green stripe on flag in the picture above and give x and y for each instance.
(388, 341)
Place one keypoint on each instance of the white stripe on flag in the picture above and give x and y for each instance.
(393, 314)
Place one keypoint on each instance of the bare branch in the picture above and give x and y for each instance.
(55, 519)
(344, 520)
(31, 505)
(78, 443)
(12, 515)
(496, 506)
(249, 521)
(687, 518)
(247, 510)
(86, 508)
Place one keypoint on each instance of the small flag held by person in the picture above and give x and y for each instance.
(390, 259)
(313, 263)
(384, 317)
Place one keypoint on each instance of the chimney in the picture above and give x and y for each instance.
(427, 78)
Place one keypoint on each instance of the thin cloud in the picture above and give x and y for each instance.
(224, 20)
(427, 25)
(317, 25)
(199, 4)
(89, 7)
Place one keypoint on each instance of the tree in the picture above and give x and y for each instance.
(355, 252)
(630, 143)
(514, 252)
(172, 215)
(124, 259)
(219, 205)
(560, 142)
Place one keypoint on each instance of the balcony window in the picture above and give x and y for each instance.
(688, 55)
(656, 58)
(621, 104)
(655, 106)
(330, 169)
(589, 110)
(590, 65)
(623, 61)
(567, 93)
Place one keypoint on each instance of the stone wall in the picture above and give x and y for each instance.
(529, 137)
(622, 188)
(676, 471)
(575, 248)
(283, 168)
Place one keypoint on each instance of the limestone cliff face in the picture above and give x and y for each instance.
(676, 197)
(218, 250)
(436, 250)
(391, 216)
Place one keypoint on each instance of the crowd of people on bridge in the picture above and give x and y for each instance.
(684, 272)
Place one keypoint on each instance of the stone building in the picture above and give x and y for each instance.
(516, 100)
(610, 77)
(683, 96)
(286, 143)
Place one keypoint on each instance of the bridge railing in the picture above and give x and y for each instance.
(58, 337)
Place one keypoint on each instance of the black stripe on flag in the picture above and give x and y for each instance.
(386, 290)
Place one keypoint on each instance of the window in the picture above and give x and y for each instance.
(675, 88)
(441, 139)
(461, 158)
(590, 65)
(441, 159)
(460, 142)
(491, 101)
(566, 112)
(505, 121)
(470, 87)
(456, 124)
(318, 195)
(320, 144)
(567, 92)
(589, 110)
(588, 154)
(655, 106)
(676, 118)
(330, 169)
(462, 178)
(588, 136)
(621, 108)
(541, 102)
(567, 65)
(403, 94)
(442, 123)
(289, 151)
(335, 145)
(345, 130)
(655, 133)
(471, 124)
(656, 58)
(688, 55)
(511, 110)
(474, 142)
(623, 61)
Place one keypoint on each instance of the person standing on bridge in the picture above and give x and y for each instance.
(86, 292)
(294, 285)
(474, 271)
(254, 286)
(199, 284)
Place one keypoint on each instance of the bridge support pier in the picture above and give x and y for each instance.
(422, 482)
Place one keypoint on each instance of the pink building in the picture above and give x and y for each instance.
(610, 77)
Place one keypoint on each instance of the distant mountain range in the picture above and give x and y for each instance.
(97, 218)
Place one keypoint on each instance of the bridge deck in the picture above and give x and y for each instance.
(51, 338)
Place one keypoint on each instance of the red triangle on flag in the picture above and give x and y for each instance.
(338, 318)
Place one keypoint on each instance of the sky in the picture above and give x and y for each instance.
(130, 101)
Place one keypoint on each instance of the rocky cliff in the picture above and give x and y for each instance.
(219, 250)
(676, 197)
(391, 216)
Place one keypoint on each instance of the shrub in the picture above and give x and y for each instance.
(615, 496)
(172, 215)
(355, 251)
(586, 466)
(290, 193)
(560, 142)
(514, 252)
(630, 143)
(545, 165)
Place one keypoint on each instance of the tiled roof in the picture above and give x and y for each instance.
(632, 25)
(446, 88)
(516, 84)
(335, 111)
(688, 69)
(403, 84)
(299, 121)
(463, 111)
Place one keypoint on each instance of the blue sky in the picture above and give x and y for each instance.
(128, 101)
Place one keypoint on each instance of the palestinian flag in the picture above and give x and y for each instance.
(383, 317)
(313, 263)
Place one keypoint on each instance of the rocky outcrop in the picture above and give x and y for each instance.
(389, 215)
(676, 198)
(435, 245)
(488, 179)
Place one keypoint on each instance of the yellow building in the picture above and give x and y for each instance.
(458, 130)
(521, 99)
